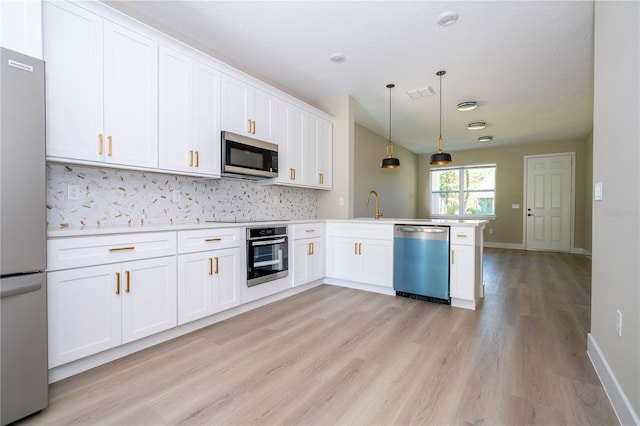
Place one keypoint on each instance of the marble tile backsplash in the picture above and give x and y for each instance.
(120, 197)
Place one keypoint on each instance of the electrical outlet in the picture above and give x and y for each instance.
(491, 230)
(73, 192)
(341, 201)
(619, 322)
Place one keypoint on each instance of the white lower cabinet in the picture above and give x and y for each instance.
(207, 283)
(95, 308)
(361, 253)
(308, 253)
(461, 274)
(208, 272)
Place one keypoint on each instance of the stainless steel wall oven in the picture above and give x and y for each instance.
(267, 254)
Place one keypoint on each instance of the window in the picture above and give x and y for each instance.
(464, 192)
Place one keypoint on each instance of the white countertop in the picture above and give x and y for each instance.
(78, 231)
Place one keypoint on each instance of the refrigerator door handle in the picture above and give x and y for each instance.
(16, 289)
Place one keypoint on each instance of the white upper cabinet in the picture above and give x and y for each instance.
(189, 110)
(102, 89)
(247, 110)
(304, 147)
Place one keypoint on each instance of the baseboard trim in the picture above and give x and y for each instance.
(621, 405)
(510, 246)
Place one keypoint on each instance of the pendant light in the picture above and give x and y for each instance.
(390, 162)
(440, 158)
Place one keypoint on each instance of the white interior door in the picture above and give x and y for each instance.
(548, 204)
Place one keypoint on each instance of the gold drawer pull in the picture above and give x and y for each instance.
(211, 240)
(309, 230)
(461, 235)
(217, 266)
(121, 248)
(128, 288)
(117, 283)
(210, 266)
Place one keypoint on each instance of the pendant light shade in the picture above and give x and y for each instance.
(440, 158)
(390, 162)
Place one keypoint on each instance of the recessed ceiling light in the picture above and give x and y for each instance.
(420, 92)
(467, 106)
(477, 125)
(336, 57)
(447, 18)
(485, 138)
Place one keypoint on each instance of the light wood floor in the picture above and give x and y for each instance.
(339, 356)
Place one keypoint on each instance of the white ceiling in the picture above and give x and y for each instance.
(529, 64)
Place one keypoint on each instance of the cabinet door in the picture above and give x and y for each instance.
(292, 170)
(301, 251)
(461, 275)
(325, 154)
(310, 151)
(194, 287)
(74, 74)
(315, 260)
(84, 311)
(226, 272)
(176, 150)
(343, 260)
(235, 103)
(130, 97)
(377, 262)
(263, 116)
(206, 119)
(149, 299)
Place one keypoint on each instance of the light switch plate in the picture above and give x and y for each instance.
(597, 191)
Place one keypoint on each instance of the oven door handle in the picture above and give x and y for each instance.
(267, 243)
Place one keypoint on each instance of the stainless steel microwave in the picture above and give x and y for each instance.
(247, 157)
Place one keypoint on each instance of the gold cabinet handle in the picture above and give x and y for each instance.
(313, 249)
(356, 248)
(217, 266)
(321, 178)
(210, 266)
(190, 158)
(309, 230)
(128, 275)
(112, 249)
(110, 139)
(211, 240)
(101, 144)
(197, 159)
(360, 248)
(117, 283)
(249, 129)
(453, 257)
(292, 174)
(254, 127)
(461, 235)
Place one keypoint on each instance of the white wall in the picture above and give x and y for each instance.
(616, 219)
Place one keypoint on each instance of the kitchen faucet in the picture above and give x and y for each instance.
(366, 203)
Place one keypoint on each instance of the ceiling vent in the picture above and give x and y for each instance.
(420, 92)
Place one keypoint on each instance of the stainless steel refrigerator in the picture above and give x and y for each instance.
(23, 287)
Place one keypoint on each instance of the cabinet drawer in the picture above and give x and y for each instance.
(307, 230)
(76, 252)
(208, 239)
(462, 236)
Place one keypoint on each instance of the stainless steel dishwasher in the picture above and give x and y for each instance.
(421, 262)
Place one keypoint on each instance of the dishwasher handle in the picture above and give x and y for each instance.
(422, 232)
(426, 229)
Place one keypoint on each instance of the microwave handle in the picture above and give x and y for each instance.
(266, 243)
